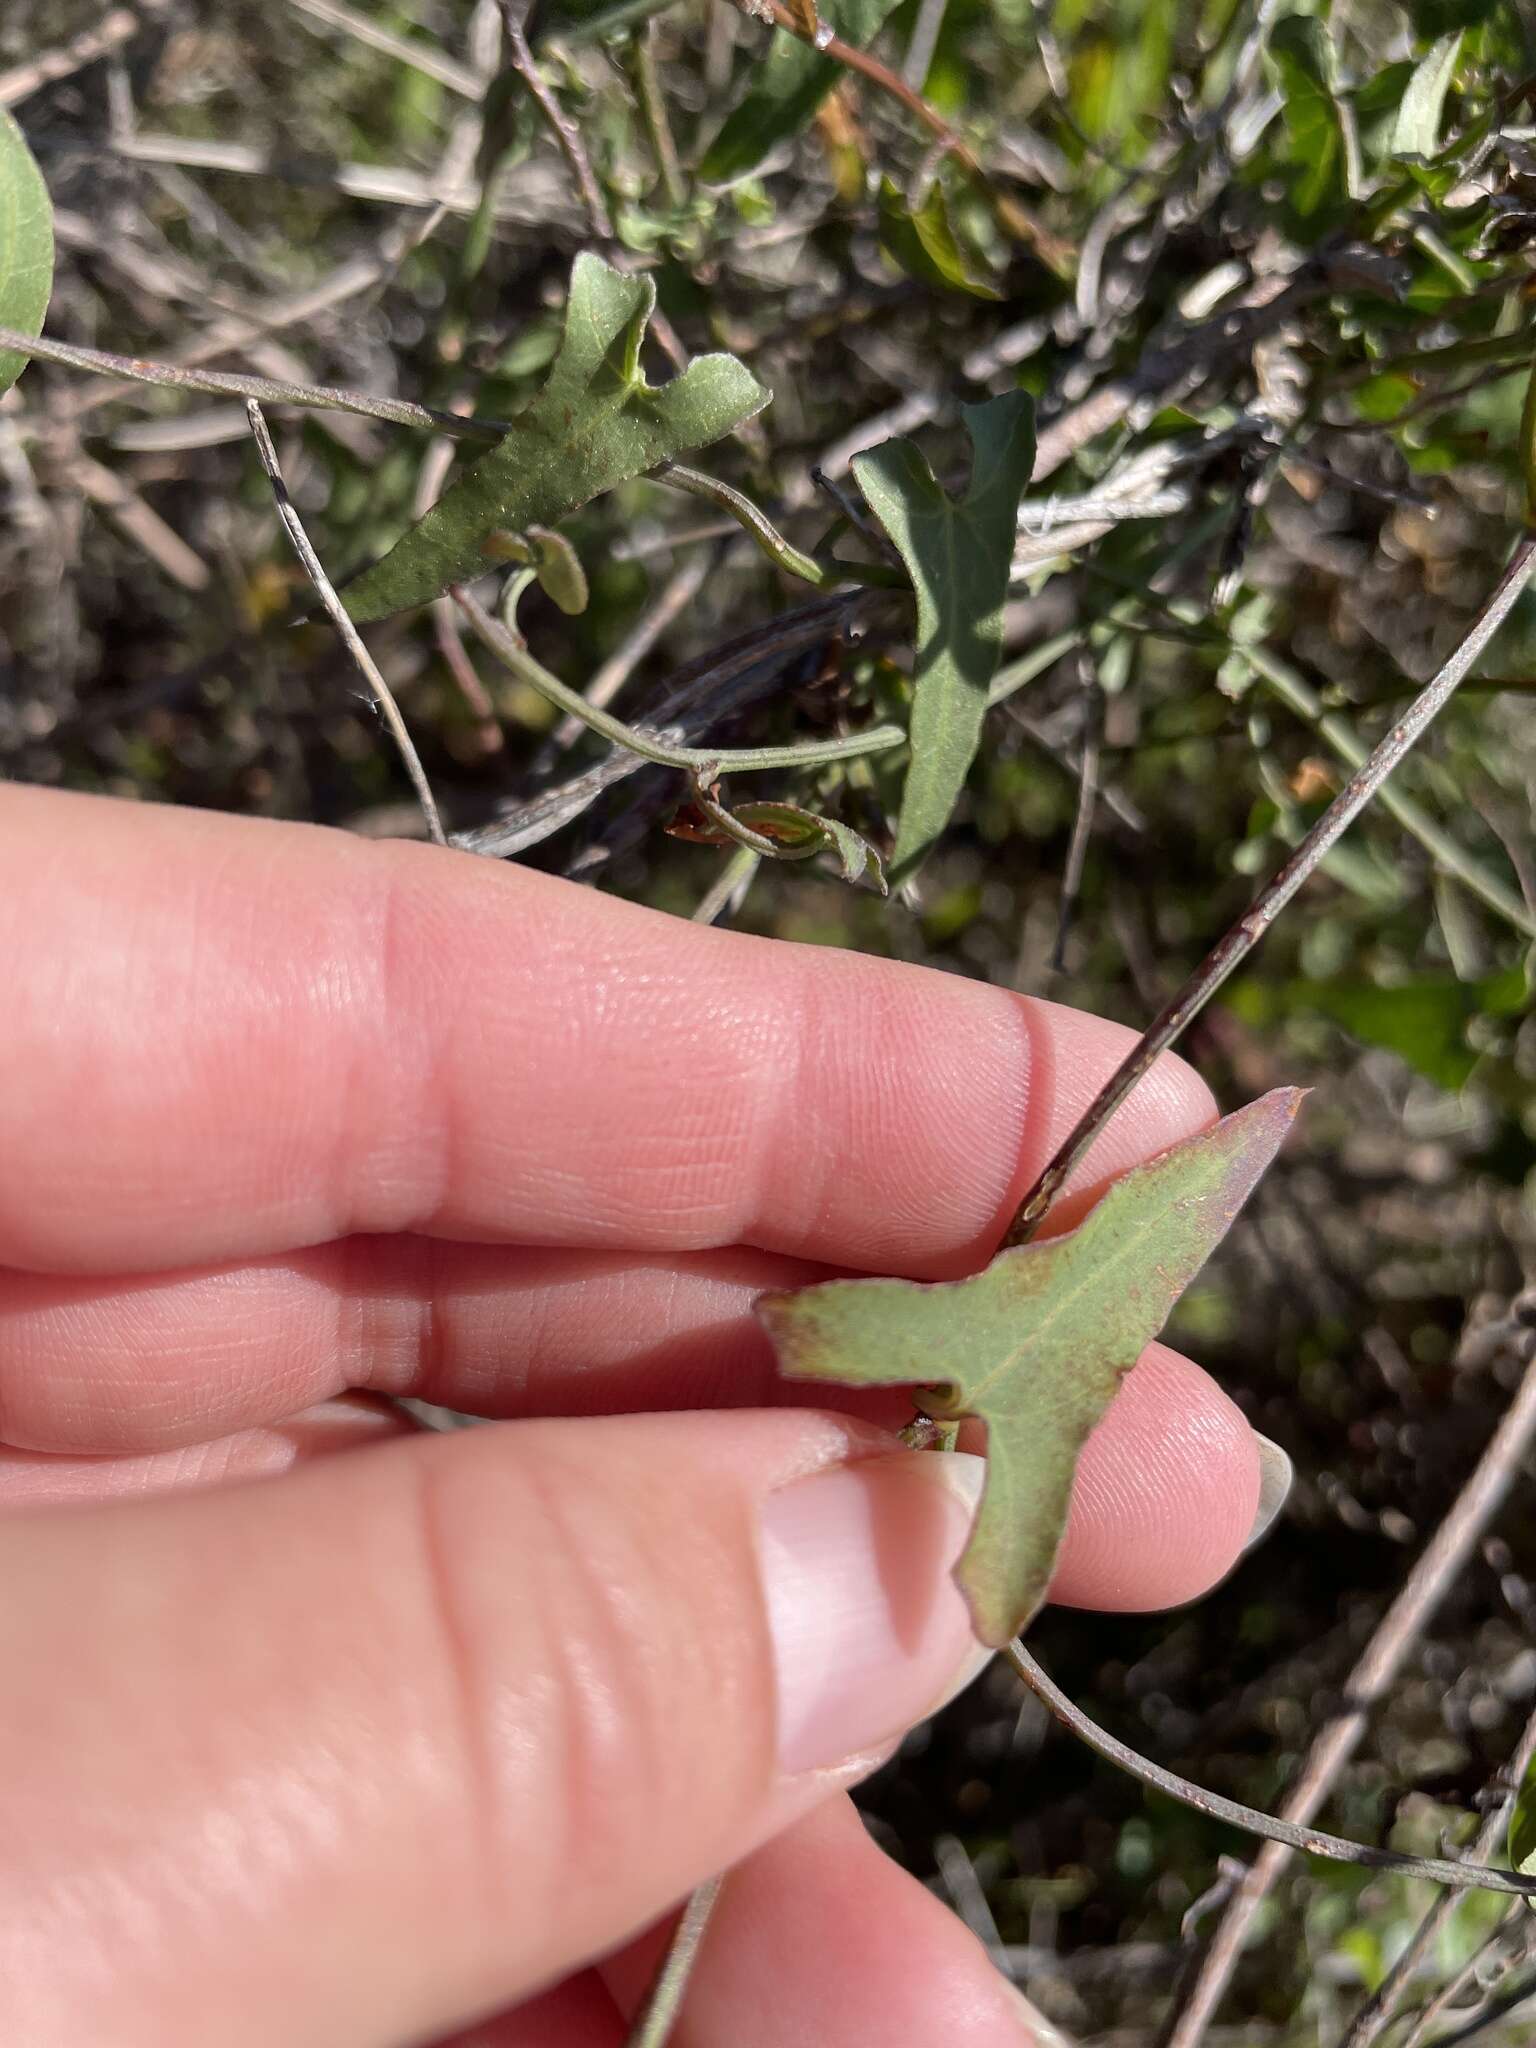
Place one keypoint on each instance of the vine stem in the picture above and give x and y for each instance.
(383, 695)
(654, 2021)
(649, 745)
(754, 521)
(1438, 1869)
(400, 412)
(1235, 945)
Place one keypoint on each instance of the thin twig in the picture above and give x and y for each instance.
(561, 126)
(528, 200)
(450, 645)
(344, 626)
(918, 61)
(245, 329)
(1238, 942)
(399, 412)
(140, 522)
(1450, 857)
(653, 108)
(118, 26)
(1399, 1629)
(1082, 824)
(1494, 2010)
(1377, 2013)
(431, 63)
(1463, 1876)
(659, 2009)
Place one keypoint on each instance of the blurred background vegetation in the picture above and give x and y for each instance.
(1266, 269)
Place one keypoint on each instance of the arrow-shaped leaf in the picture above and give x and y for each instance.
(1037, 1345)
(26, 243)
(596, 424)
(957, 553)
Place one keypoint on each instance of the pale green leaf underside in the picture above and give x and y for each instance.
(26, 244)
(1416, 131)
(1037, 1344)
(596, 424)
(958, 553)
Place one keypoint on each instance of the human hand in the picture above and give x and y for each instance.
(423, 1732)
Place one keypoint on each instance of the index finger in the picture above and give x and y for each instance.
(237, 1038)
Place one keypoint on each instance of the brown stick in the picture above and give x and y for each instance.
(337, 612)
(1400, 1627)
(564, 130)
(1235, 945)
(118, 26)
(264, 390)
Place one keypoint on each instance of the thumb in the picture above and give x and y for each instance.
(357, 1754)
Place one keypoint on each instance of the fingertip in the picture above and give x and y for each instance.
(1166, 1493)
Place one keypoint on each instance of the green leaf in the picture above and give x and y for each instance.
(1302, 61)
(1521, 1841)
(1037, 1345)
(791, 83)
(561, 576)
(1423, 1021)
(595, 424)
(1416, 131)
(26, 244)
(958, 555)
(924, 244)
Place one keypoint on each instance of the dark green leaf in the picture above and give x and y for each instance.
(26, 243)
(924, 244)
(1037, 1345)
(1416, 131)
(790, 84)
(957, 553)
(1303, 65)
(1383, 93)
(596, 423)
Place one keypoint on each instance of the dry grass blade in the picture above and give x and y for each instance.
(336, 612)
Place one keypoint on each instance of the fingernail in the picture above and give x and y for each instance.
(1037, 2028)
(1276, 1473)
(869, 1631)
